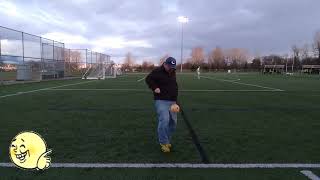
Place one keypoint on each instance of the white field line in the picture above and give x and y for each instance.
(66, 85)
(42, 89)
(20, 93)
(135, 74)
(185, 90)
(135, 90)
(310, 175)
(228, 90)
(141, 79)
(234, 80)
(231, 80)
(253, 85)
(174, 165)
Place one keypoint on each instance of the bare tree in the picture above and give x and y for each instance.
(216, 58)
(211, 59)
(75, 61)
(197, 56)
(296, 57)
(296, 51)
(305, 51)
(147, 65)
(317, 45)
(128, 62)
(75, 57)
(296, 54)
(256, 63)
(237, 56)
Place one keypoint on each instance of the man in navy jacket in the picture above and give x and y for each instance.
(162, 81)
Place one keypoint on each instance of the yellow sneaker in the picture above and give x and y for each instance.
(169, 145)
(165, 148)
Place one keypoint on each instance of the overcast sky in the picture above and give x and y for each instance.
(149, 28)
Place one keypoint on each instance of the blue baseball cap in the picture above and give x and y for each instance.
(171, 62)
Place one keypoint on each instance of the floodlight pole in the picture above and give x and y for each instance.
(22, 36)
(1, 81)
(0, 49)
(286, 65)
(274, 64)
(181, 47)
(293, 63)
(182, 20)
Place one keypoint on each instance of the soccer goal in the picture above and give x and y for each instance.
(110, 71)
(102, 71)
(94, 71)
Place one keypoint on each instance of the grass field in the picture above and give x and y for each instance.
(238, 118)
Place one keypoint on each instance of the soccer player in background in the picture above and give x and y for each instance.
(198, 72)
(162, 81)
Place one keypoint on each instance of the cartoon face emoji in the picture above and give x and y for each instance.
(28, 151)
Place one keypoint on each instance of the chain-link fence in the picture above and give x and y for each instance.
(25, 56)
(77, 61)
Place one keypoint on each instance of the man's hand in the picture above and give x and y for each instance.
(157, 91)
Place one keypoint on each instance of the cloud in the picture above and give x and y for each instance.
(101, 44)
(9, 9)
(65, 37)
(119, 43)
(150, 28)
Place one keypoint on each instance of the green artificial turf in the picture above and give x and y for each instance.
(241, 125)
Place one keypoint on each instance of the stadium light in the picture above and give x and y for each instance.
(183, 20)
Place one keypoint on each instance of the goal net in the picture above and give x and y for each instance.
(110, 71)
(102, 71)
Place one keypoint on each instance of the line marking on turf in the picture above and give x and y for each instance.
(66, 85)
(235, 82)
(42, 89)
(20, 93)
(141, 79)
(139, 90)
(310, 175)
(231, 80)
(228, 90)
(186, 90)
(176, 165)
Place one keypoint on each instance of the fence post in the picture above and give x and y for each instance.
(86, 58)
(64, 61)
(22, 35)
(0, 49)
(42, 59)
(54, 61)
(1, 81)
(70, 62)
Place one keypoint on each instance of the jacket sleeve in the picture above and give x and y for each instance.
(150, 80)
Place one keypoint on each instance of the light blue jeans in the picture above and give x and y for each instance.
(167, 120)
